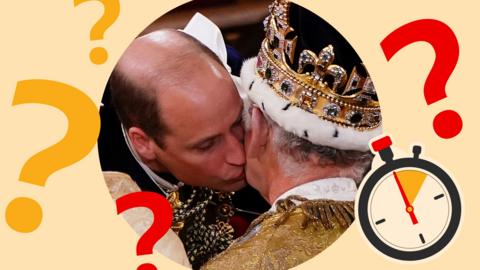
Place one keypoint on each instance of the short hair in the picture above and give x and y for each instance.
(355, 163)
(137, 105)
(299, 150)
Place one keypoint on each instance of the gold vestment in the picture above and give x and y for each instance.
(292, 234)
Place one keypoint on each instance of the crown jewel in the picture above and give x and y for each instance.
(316, 85)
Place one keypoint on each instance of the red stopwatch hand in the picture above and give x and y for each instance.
(408, 205)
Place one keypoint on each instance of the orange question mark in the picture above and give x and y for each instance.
(447, 124)
(162, 219)
(99, 55)
(25, 214)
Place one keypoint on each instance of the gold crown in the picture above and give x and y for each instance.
(317, 86)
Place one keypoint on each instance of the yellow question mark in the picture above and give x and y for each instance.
(25, 214)
(99, 55)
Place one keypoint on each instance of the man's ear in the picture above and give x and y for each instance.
(143, 144)
(259, 130)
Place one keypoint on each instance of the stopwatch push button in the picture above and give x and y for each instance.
(382, 146)
(416, 151)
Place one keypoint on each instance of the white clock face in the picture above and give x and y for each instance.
(426, 222)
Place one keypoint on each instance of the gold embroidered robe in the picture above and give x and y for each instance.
(287, 237)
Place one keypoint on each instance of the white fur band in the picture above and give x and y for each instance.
(299, 122)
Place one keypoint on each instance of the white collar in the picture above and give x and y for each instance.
(338, 189)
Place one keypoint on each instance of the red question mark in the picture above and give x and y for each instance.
(162, 220)
(446, 124)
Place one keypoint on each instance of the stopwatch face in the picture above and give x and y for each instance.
(429, 202)
(409, 209)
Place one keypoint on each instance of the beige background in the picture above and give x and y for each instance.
(80, 230)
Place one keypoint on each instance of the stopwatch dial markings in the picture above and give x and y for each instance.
(439, 196)
(421, 238)
(380, 221)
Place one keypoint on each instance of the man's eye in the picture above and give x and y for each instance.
(206, 145)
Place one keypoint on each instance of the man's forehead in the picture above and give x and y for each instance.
(201, 112)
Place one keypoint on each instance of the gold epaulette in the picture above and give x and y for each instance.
(316, 212)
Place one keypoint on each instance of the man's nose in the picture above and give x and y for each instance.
(235, 153)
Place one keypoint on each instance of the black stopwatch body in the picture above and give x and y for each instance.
(415, 163)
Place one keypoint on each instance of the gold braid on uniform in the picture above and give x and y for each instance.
(296, 231)
(316, 212)
(201, 237)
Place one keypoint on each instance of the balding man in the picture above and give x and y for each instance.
(182, 114)
(169, 91)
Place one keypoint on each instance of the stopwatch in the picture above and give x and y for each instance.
(409, 208)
